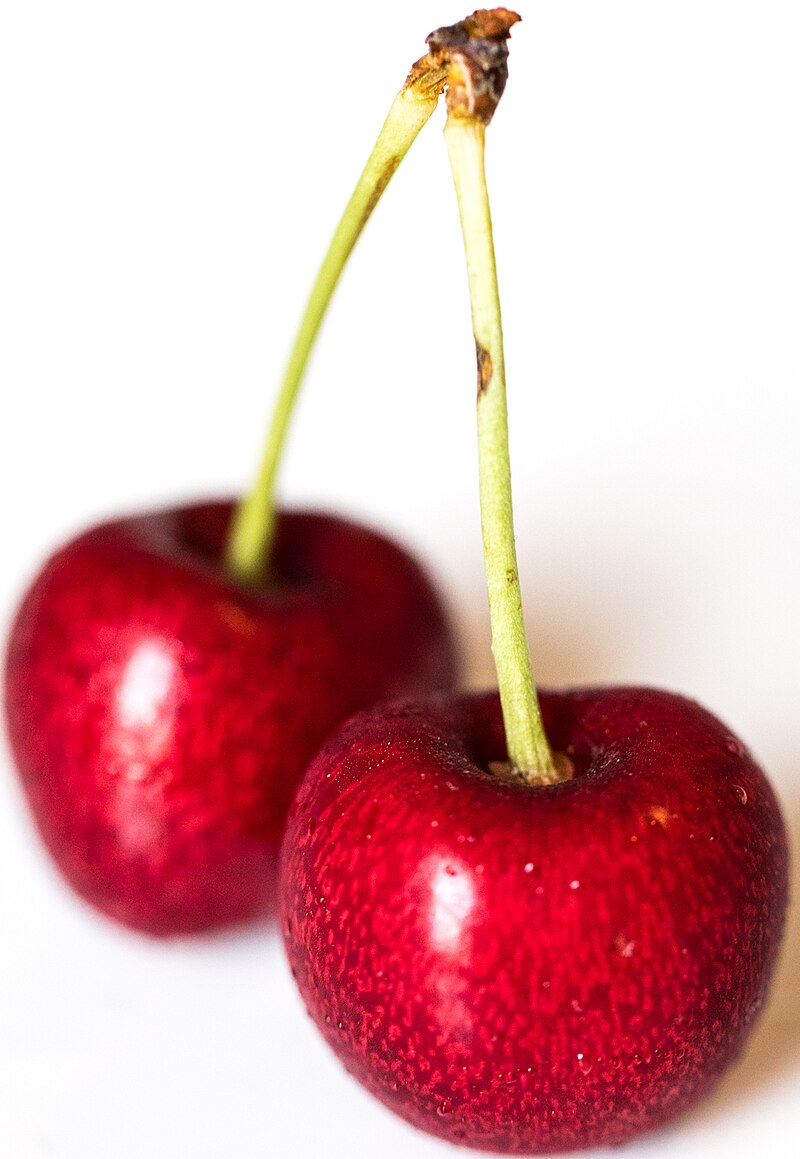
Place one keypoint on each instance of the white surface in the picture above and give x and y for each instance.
(161, 216)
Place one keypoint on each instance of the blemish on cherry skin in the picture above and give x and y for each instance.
(624, 946)
(659, 815)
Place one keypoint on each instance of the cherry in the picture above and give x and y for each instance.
(531, 969)
(526, 924)
(169, 676)
(161, 714)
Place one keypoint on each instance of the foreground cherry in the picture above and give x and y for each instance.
(161, 713)
(533, 969)
(526, 925)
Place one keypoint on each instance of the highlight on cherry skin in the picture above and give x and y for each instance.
(160, 712)
(529, 970)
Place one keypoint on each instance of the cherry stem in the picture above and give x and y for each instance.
(528, 750)
(252, 531)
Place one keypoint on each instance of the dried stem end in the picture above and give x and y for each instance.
(476, 55)
(427, 77)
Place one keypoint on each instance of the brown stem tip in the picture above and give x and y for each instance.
(476, 55)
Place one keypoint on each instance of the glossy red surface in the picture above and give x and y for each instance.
(532, 970)
(161, 715)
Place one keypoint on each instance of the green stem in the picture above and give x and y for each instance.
(528, 749)
(253, 526)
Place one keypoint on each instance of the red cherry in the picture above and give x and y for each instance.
(161, 715)
(535, 969)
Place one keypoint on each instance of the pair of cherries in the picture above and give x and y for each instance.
(518, 964)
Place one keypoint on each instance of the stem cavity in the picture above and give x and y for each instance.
(476, 53)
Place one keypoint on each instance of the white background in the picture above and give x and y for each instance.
(170, 175)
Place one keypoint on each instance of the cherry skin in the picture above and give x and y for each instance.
(161, 714)
(524, 969)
